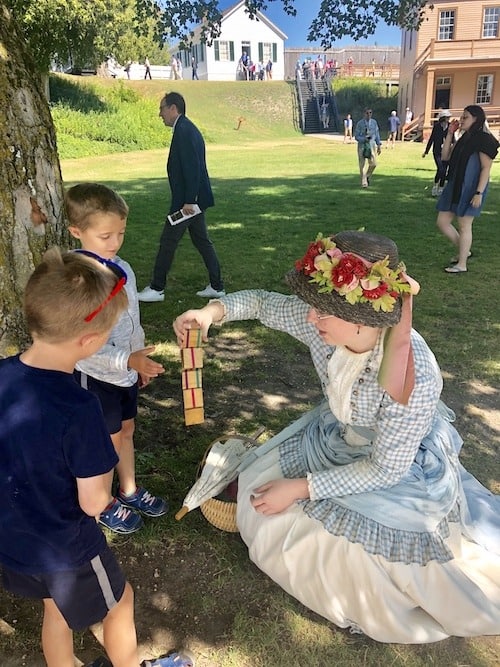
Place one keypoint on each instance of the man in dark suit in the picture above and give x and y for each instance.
(190, 185)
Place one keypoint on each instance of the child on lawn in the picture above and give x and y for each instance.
(97, 218)
(57, 460)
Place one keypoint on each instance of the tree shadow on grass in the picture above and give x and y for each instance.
(195, 584)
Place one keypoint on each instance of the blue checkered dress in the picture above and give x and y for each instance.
(395, 495)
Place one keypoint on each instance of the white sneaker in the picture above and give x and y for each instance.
(435, 189)
(150, 295)
(210, 293)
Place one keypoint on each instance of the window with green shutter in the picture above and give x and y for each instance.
(216, 49)
(275, 52)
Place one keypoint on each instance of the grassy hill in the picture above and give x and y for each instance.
(96, 116)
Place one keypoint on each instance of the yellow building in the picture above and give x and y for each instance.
(452, 61)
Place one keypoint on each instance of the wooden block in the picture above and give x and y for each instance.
(193, 338)
(194, 416)
(191, 379)
(192, 357)
(193, 398)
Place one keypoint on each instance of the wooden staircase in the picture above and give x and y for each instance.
(310, 96)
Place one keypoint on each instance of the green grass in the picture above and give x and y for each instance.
(275, 190)
(272, 197)
(99, 116)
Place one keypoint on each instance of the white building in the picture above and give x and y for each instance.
(260, 39)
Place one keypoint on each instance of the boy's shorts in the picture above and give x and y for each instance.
(118, 403)
(83, 596)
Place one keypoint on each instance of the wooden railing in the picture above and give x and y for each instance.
(379, 71)
(492, 115)
(458, 49)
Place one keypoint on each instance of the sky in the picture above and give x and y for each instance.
(297, 27)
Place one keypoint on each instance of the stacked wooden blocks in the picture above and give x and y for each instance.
(192, 363)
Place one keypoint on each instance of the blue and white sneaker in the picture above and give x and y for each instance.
(142, 501)
(120, 519)
(175, 659)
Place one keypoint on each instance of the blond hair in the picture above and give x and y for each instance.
(63, 290)
(83, 200)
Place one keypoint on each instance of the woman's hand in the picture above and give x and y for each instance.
(453, 126)
(200, 317)
(276, 496)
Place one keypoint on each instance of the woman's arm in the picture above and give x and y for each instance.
(432, 138)
(448, 144)
(273, 310)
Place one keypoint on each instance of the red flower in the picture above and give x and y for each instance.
(377, 292)
(306, 264)
(347, 269)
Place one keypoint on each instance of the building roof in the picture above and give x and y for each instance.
(260, 16)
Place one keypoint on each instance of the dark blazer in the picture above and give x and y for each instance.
(187, 168)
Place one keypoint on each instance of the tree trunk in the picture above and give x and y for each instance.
(31, 193)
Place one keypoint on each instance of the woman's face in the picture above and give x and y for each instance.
(332, 330)
(466, 121)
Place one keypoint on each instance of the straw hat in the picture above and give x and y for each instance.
(365, 246)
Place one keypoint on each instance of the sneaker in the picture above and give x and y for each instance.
(120, 519)
(142, 501)
(210, 293)
(435, 189)
(150, 295)
(100, 662)
(175, 659)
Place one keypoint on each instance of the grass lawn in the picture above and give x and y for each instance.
(272, 197)
(274, 193)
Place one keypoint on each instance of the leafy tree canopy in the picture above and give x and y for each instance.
(80, 32)
(336, 18)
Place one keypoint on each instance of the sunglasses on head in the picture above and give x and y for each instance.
(118, 272)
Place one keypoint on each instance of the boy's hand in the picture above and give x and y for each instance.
(144, 380)
(141, 363)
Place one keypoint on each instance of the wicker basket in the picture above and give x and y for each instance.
(222, 513)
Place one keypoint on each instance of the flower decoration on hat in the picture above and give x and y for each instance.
(353, 277)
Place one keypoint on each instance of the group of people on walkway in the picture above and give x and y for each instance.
(365, 493)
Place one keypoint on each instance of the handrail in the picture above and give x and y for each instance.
(415, 124)
(301, 102)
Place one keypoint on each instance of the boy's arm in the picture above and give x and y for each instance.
(94, 492)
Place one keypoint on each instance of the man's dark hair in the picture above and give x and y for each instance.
(175, 99)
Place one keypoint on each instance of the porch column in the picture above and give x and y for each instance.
(429, 97)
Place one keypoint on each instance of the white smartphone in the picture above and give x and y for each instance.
(180, 216)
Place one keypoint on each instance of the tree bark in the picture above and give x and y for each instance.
(31, 192)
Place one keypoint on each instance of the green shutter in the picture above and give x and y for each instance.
(216, 50)
(275, 52)
(231, 51)
(261, 52)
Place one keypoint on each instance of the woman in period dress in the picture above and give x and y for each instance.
(470, 160)
(361, 509)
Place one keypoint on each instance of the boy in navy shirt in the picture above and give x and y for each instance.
(57, 461)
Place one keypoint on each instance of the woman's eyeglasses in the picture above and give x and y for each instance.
(116, 269)
(321, 316)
